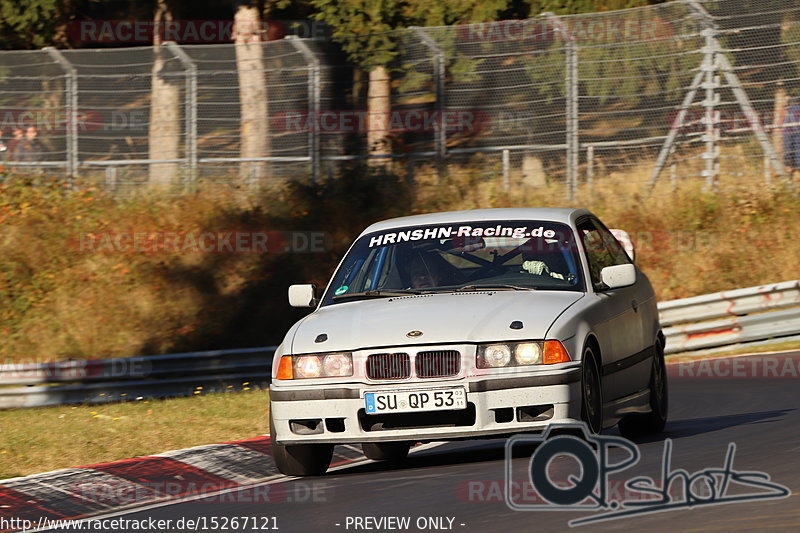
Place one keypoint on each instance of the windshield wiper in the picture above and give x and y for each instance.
(375, 293)
(493, 286)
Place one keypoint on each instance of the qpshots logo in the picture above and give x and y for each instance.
(598, 457)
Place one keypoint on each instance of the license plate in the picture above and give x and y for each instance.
(415, 400)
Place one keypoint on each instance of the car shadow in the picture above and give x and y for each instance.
(477, 451)
(679, 429)
(448, 454)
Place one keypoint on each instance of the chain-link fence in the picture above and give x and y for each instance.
(653, 96)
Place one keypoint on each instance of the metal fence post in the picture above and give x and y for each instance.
(314, 97)
(722, 65)
(439, 71)
(668, 148)
(190, 105)
(573, 148)
(71, 106)
(506, 169)
(111, 178)
(590, 165)
(673, 170)
(749, 112)
(767, 173)
(571, 95)
(711, 116)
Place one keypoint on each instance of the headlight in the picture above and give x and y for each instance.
(307, 366)
(525, 354)
(528, 353)
(337, 365)
(312, 366)
(494, 355)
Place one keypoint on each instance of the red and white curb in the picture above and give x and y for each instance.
(200, 472)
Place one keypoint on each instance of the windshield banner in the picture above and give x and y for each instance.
(463, 231)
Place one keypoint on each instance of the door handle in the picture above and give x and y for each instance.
(635, 305)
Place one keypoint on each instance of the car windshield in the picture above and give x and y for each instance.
(496, 255)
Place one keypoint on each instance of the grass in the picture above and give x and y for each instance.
(49, 438)
(59, 302)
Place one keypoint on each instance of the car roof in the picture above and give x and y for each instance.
(564, 215)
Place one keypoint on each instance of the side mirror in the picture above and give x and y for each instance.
(625, 240)
(302, 296)
(618, 276)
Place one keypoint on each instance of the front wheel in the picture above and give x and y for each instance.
(300, 459)
(653, 422)
(592, 393)
(385, 451)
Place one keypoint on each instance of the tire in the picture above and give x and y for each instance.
(591, 392)
(385, 451)
(300, 459)
(637, 425)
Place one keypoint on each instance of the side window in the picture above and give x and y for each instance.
(615, 248)
(602, 249)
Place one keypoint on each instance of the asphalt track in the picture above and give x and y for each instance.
(463, 481)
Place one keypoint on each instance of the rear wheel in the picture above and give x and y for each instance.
(592, 392)
(653, 422)
(385, 451)
(300, 459)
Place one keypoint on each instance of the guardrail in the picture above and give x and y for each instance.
(714, 321)
(768, 313)
(109, 380)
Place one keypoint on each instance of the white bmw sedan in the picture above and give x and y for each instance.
(464, 325)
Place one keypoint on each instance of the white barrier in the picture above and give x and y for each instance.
(731, 317)
(752, 315)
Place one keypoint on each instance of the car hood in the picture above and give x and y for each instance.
(442, 318)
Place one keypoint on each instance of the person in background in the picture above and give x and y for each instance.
(29, 148)
(791, 136)
(16, 136)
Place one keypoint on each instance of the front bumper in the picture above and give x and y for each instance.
(499, 405)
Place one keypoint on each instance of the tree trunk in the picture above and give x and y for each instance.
(781, 99)
(66, 9)
(254, 125)
(54, 97)
(780, 105)
(379, 108)
(164, 135)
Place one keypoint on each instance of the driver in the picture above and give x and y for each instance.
(532, 265)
